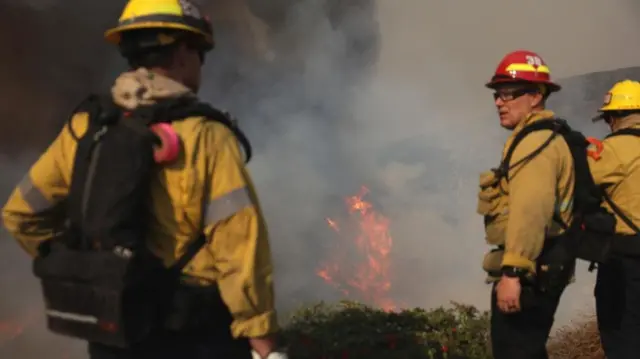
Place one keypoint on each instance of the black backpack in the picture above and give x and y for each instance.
(99, 280)
(108, 197)
(590, 235)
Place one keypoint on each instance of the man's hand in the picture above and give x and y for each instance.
(508, 294)
(263, 346)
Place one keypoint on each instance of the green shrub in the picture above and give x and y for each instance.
(350, 330)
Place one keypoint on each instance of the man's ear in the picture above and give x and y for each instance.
(536, 99)
(179, 57)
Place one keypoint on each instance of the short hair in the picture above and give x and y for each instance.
(150, 47)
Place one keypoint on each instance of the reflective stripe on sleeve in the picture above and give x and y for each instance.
(227, 205)
(33, 196)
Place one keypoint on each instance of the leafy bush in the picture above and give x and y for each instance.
(350, 330)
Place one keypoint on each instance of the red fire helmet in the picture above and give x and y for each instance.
(523, 66)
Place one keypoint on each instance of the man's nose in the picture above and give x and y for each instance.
(499, 101)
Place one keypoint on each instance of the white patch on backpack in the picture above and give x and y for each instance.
(190, 9)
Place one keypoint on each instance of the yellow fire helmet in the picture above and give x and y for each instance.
(163, 14)
(623, 96)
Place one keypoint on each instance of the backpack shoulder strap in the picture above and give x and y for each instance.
(625, 132)
(100, 109)
(175, 111)
(554, 125)
(620, 213)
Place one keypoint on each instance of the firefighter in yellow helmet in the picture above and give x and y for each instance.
(615, 165)
(223, 306)
(520, 201)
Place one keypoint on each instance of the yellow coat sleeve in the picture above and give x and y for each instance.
(532, 200)
(239, 240)
(608, 168)
(33, 213)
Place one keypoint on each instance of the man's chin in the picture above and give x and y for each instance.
(506, 124)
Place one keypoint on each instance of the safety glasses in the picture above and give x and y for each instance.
(510, 95)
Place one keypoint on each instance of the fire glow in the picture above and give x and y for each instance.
(363, 275)
(10, 330)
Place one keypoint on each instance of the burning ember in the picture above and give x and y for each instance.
(12, 329)
(363, 275)
(9, 331)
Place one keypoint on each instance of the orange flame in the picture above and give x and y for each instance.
(369, 275)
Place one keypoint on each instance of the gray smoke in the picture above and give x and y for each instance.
(333, 97)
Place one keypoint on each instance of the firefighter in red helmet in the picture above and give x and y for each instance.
(521, 73)
(526, 203)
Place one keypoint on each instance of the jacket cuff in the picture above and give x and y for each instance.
(257, 326)
(518, 261)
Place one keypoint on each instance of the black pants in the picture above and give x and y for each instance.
(208, 336)
(171, 345)
(524, 335)
(618, 307)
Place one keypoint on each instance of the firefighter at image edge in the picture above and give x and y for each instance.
(614, 164)
(518, 206)
(237, 257)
